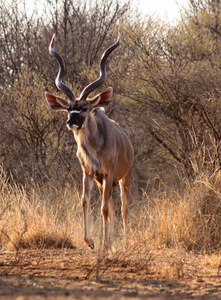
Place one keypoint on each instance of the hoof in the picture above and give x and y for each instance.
(90, 243)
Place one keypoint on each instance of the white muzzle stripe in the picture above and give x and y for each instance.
(74, 112)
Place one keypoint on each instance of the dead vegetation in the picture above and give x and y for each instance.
(48, 218)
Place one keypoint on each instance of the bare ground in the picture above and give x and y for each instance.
(79, 274)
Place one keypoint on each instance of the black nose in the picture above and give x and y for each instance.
(72, 121)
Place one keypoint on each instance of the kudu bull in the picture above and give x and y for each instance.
(103, 147)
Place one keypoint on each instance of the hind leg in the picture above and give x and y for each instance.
(108, 212)
(125, 191)
(111, 217)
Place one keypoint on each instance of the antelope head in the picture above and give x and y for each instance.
(78, 109)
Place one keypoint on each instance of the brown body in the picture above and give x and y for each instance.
(104, 148)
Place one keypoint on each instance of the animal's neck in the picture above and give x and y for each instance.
(88, 134)
(89, 145)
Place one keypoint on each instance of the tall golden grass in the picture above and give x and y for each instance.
(47, 217)
(37, 218)
(191, 221)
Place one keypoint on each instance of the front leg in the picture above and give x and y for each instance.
(87, 187)
(108, 212)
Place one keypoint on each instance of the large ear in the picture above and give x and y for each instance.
(103, 98)
(55, 102)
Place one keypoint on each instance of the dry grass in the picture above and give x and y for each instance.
(38, 218)
(191, 221)
(44, 218)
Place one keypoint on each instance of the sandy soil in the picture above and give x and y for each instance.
(78, 274)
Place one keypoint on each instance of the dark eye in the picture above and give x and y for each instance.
(84, 109)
